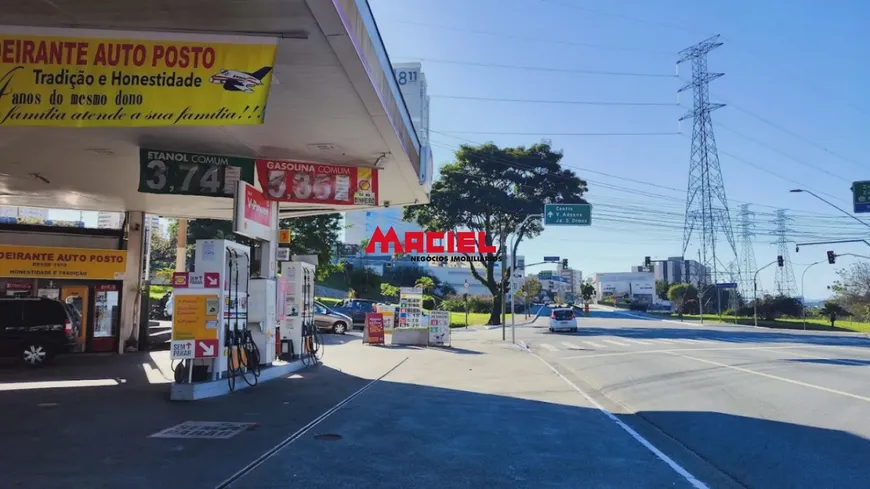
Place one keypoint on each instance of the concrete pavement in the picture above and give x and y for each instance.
(767, 408)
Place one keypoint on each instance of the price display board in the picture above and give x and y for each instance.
(203, 175)
(410, 307)
(439, 328)
(319, 183)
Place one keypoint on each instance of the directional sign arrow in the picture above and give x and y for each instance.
(207, 350)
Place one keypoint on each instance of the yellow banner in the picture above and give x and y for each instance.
(96, 82)
(62, 263)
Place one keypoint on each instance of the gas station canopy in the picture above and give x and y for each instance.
(332, 98)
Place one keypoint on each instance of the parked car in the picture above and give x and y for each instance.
(563, 320)
(35, 330)
(328, 320)
(167, 308)
(356, 309)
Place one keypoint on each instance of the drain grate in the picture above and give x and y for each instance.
(205, 429)
(327, 437)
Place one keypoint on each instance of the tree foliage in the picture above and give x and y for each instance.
(681, 294)
(587, 292)
(852, 290)
(528, 291)
(163, 251)
(662, 287)
(314, 235)
(491, 189)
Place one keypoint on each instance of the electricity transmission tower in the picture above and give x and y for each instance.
(706, 205)
(747, 251)
(785, 283)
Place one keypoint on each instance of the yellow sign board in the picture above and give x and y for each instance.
(194, 317)
(127, 82)
(62, 263)
(285, 236)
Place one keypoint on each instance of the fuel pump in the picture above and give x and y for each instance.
(297, 323)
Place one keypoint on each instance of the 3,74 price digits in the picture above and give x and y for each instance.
(185, 178)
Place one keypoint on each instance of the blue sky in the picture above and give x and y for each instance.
(797, 114)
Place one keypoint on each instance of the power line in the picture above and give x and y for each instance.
(538, 68)
(502, 133)
(527, 38)
(559, 102)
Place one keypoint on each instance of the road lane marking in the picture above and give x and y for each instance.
(571, 346)
(594, 344)
(639, 342)
(685, 474)
(549, 347)
(683, 341)
(671, 350)
(617, 343)
(857, 363)
(301, 431)
(775, 377)
(659, 340)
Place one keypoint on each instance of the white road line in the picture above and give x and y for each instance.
(685, 474)
(695, 341)
(572, 346)
(617, 343)
(775, 377)
(639, 342)
(641, 352)
(659, 340)
(548, 347)
(847, 361)
(594, 344)
(683, 341)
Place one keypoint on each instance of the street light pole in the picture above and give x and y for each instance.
(800, 190)
(755, 291)
(803, 297)
(513, 270)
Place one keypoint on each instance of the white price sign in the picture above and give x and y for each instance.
(182, 350)
(439, 328)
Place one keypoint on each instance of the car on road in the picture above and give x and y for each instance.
(35, 330)
(327, 319)
(563, 319)
(356, 309)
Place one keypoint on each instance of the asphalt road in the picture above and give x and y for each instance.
(763, 408)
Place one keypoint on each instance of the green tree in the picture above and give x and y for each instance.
(527, 292)
(162, 252)
(833, 310)
(389, 291)
(587, 291)
(491, 190)
(316, 235)
(662, 287)
(425, 283)
(680, 294)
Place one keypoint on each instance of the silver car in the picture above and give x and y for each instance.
(328, 320)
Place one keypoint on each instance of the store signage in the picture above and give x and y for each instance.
(374, 332)
(439, 328)
(121, 79)
(318, 183)
(182, 350)
(206, 348)
(203, 175)
(181, 280)
(253, 213)
(62, 263)
(194, 317)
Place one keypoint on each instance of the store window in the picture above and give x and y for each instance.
(106, 304)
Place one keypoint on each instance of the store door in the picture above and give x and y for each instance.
(78, 296)
(107, 309)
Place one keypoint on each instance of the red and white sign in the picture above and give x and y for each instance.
(212, 280)
(318, 183)
(253, 213)
(206, 348)
(181, 280)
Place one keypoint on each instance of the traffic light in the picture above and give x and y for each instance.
(646, 261)
(780, 260)
(564, 264)
(832, 257)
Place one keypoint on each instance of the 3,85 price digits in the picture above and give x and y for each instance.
(321, 188)
(184, 178)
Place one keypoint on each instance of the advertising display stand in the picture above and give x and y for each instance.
(410, 329)
(373, 332)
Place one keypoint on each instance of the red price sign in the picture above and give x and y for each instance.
(296, 181)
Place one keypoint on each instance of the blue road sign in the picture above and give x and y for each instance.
(567, 215)
(729, 285)
(551, 259)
